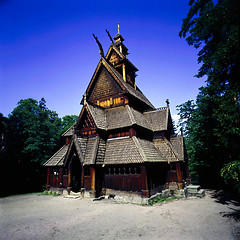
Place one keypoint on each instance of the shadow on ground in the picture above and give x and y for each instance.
(226, 198)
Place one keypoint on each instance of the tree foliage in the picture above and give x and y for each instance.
(31, 135)
(67, 122)
(231, 174)
(212, 123)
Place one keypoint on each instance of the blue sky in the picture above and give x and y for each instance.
(47, 50)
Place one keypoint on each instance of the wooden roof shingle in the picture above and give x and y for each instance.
(167, 150)
(91, 150)
(178, 144)
(157, 119)
(122, 151)
(58, 158)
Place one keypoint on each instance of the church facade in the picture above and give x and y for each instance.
(120, 144)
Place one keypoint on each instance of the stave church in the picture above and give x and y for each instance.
(121, 144)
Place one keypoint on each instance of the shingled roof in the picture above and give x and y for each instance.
(118, 117)
(157, 119)
(134, 92)
(69, 132)
(178, 144)
(168, 150)
(118, 78)
(58, 158)
(131, 150)
(122, 150)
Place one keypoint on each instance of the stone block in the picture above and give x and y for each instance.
(127, 199)
(92, 193)
(193, 188)
(145, 201)
(166, 193)
(118, 199)
(200, 193)
(137, 200)
(86, 194)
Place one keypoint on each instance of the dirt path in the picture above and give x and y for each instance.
(48, 217)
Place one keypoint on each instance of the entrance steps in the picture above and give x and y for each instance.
(195, 191)
(73, 195)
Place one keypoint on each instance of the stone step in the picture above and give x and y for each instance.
(193, 188)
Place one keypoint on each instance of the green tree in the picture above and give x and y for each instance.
(32, 134)
(213, 126)
(67, 122)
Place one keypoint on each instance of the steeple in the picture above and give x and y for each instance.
(119, 43)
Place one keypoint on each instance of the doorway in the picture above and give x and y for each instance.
(76, 173)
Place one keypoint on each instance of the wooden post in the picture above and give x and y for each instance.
(69, 181)
(145, 190)
(60, 179)
(82, 176)
(48, 179)
(124, 72)
(132, 132)
(69, 178)
(179, 175)
(92, 177)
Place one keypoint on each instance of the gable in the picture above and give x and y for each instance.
(86, 125)
(113, 52)
(114, 59)
(104, 86)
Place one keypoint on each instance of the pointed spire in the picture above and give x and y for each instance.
(118, 37)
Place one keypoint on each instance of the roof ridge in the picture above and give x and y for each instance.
(68, 129)
(68, 151)
(116, 49)
(96, 145)
(139, 147)
(172, 148)
(130, 114)
(79, 151)
(116, 75)
(154, 110)
(167, 117)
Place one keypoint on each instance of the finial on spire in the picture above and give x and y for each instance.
(167, 101)
(118, 28)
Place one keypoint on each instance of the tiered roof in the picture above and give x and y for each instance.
(122, 150)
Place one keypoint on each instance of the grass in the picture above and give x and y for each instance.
(162, 200)
(20, 194)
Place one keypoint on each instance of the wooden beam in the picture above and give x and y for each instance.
(92, 176)
(48, 176)
(69, 177)
(60, 177)
(179, 175)
(145, 190)
(124, 72)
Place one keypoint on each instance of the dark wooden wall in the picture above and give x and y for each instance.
(128, 182)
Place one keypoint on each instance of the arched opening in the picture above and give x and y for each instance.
(76, 173)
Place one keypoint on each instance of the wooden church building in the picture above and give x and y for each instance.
(121, 144)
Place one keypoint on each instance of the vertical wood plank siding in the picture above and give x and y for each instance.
(128, 182)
